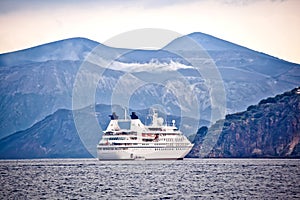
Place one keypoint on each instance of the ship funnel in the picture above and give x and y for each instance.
(114, 116)
(133, 116)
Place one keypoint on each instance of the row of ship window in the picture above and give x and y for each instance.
(156, 149)
(167, 144)
(168, 149)
(117, 148)
(121, 138)
(172, 139)
(145, 144)
(133, 138)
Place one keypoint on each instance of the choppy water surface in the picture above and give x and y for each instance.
(187, 179)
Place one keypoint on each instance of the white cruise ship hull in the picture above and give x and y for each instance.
(142, 153)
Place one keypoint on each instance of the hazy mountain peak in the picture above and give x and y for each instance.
(68, 49)
(209, 43)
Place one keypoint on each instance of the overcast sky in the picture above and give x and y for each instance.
(269, 26)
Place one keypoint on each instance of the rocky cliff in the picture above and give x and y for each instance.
(269, 129)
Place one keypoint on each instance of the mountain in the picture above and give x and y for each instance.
(36, 82)
(269, 129)
(248, 76)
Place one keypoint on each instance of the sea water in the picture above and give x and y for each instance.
(183, 179)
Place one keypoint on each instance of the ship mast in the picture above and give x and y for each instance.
(125, 114)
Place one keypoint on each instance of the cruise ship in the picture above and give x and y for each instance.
(130, 139)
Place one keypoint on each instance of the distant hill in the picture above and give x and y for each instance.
(56, 136)
(53, 137)
(270, 129)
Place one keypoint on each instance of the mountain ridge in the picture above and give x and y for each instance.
(197, 34)
(32, 54)
(194, 35)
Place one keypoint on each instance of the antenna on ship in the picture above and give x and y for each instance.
(125, 113)
(156, 121)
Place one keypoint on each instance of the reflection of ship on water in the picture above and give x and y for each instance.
(130, 139)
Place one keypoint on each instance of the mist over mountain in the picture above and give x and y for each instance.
(36, 82)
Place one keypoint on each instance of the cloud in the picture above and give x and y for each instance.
(7, 6)
(245, 2)
(153, 65)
